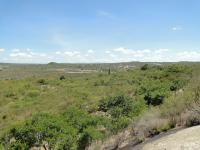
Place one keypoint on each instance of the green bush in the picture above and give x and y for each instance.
(154, 98)
(74, 129)
(120, 123)
(87, 136)
(145, 67)
(62, 77)
(42, 81)
(178, 68)
(86, 124)
(177, 84)
(10, 94)
(79, 118)
(116, 106)
(40, 128)
(17, 145)
(33, 93)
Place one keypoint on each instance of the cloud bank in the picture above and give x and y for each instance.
(120, 54)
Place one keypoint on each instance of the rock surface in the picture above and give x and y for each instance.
(186, 139)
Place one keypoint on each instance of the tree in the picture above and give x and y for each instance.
(154, 98)
(116, 106)
(62, 77)
(109, 72)
(145, 67)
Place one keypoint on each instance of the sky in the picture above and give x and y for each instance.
(91, 31)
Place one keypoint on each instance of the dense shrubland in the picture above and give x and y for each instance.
(74, 129)
(181, 108)
(72, 111)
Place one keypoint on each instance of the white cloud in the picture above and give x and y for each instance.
(176, 28)
(71, 53)
(90, 51)
(161, 51)
(131, 52)
(189, 56)
(27, 56)
(2, 49)
(120, 54)
(15, 50)
(107, 52)
(20, 54)
(58, 52)
(151, 55)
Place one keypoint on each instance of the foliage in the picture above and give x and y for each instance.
(42, 81)
(154, 98)
(40, 128)
(145, 67)
(117, 105)
(177, 84)
(33, 93)
(87, 125)
(62, 77)
(87, 107)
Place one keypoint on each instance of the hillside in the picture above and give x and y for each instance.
(70, 109)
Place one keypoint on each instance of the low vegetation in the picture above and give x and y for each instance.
(75, 111)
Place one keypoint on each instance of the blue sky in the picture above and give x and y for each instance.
(40, 31)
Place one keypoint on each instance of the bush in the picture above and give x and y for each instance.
(176, 85)
(42, 81)
(33, 93)
(144, 67)
(153, 99)
(177, 68)
(116, 106)
(79, 118)
(62, 77)
(192, 119)
(39, 129)
(87, 136)
(119, 123)
(86, 124)
(74, 129)
(17, 145)
(10, 94)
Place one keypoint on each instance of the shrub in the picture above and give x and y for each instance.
(86, 124)
(42, 128)
(177, 68)
(79, 118)
(153, 99)
(87, 136)
(42, 81)
(33, 93)
(119, 123)
(62, 77)
(17, 145)
(116, 106)
(10, 94)
(4, 117)
(176, 85)
(192, 119)
(144, 67)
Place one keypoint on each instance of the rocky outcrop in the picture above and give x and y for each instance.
(186, 139)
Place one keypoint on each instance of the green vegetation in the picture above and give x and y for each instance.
(70, 111)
